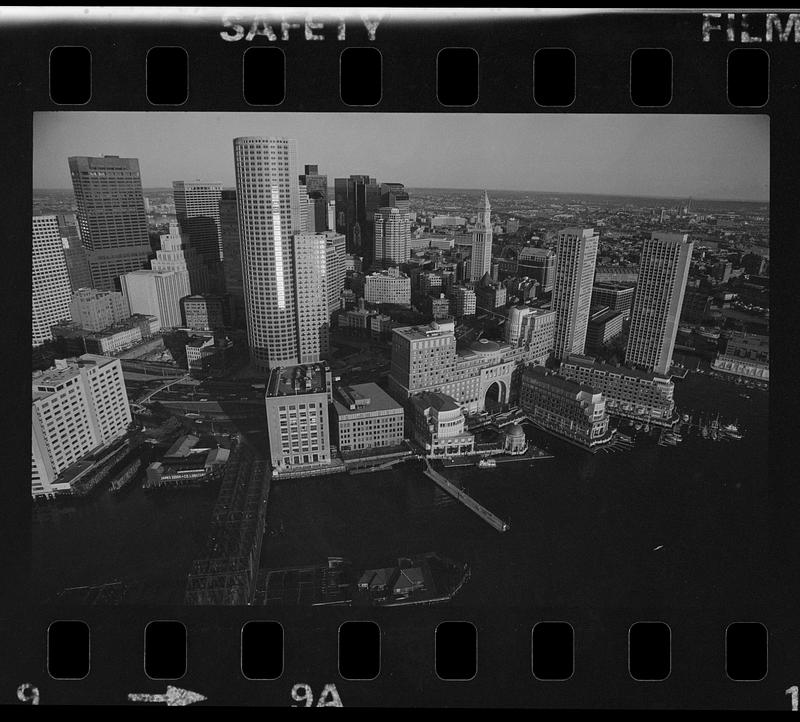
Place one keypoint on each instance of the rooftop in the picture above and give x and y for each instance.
(589, 362)
(65, 369)
(445, 326)
(615, 285)
(540, 374)
(436, 400)
(367, 397)
(294, 380)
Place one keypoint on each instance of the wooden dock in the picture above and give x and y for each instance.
(465, 499)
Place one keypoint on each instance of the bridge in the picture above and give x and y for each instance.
(465, 499)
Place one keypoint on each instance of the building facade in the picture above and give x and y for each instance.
(438, 425)
(389, 286)
(481, 259)
(357, 199)
(197, 211)
(629, 393)
(311, 291)
(615, 295)
(175, 255)
(78, 406)
(232, 256)
(51, 290)
(111, 216)
(576, 254)
(95, 310)
(571, 411)
(426, 358)
(745, 355)
(156, 293)
(297, 401)
(205, 312)
(533, 329)
(80, 276)
(367, 418)
(664, 270)
(604, 325)
(269, 213)
(392, 232)
(539, 264)
(335, 254)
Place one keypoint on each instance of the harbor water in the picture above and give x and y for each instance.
(681, 526)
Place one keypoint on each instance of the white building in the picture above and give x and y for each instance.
(663, 271)
(389, 286)
(95, 310)
(51, 287)
(78, 406)
(311, 294)
(174, 255)
(197, 210)
(267, 193)
(392, 236)
(533, 328)
(156, 293)
(576, 254)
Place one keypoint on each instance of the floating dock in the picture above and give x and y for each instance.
(465, 499)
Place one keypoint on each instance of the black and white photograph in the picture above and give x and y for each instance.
(399, 359)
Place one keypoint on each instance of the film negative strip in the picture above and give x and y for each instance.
(397, 359)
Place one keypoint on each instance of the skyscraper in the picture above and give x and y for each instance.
(269, 213)
(576, 254)
(392, 236)
(663, 271)
(156, 293)
(232, 255)
(482, 243)
(357, 199)
(335, 266)
(51, 287)
(311, 292)
(317, 188)
(539, 264)
(111, 216)
(197, 210)
(394, 195)
(74, 253)
(174, 255)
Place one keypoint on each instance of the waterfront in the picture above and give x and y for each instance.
(584, 528)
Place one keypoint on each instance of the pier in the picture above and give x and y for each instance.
(465, 499)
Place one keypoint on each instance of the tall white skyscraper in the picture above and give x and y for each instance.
(311, 292)
(268, 198)
(481, 260)
(392, 236)
(576, 254)
(657, 303)
(77, 406)
(52, 292)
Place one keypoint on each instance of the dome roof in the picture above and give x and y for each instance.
(484, 345)
(516, 432)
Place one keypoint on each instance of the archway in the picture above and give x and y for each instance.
(495, 397)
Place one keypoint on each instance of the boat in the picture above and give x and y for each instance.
(744, 396)
(125, 475)
(685, 417)
(487, 464)
(732, 431)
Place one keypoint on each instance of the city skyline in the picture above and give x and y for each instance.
(670, 156)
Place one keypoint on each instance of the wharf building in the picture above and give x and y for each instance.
(425, 358)
(576, 253)
(357, 200)
(95, 310)
(392, 233)
(297, 399)
(604, 325)
(615, 295)
(571, 411)
(51, 291)
(539, 264)
(533, 329)
(629, 393)
(78, 406)
(746, 355)
(367, 418)
(197, 211)
(232, 255)
(267, 194)
(156, 293)
(311, 291)
(111, 216)
(438, 425)
(389, 286)
(206, 312)
(74, 253)
(664, 270)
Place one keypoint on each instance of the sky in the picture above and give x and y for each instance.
(699, 156)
